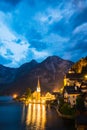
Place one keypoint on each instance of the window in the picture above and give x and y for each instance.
(74, 101)
(73, 96)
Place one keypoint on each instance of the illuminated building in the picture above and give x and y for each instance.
(38, 91)
(38, 98)
(49, 96)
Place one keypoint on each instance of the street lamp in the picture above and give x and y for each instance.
(15, 96)
(85, 77)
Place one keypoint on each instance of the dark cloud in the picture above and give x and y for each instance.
(34, 34)
(80, 18)
(53, 3)
(18, 41)
(50, 3)
(32, 3)
(79, 2)
(80, 45)
(8, 5)
(8, 52)
(12, 2)
(4, 60)
(39, 45)
(62, 28)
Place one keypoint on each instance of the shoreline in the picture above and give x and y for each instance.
(63, 115)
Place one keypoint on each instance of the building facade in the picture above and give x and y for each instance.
(70, 94)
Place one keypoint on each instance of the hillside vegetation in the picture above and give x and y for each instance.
(80, 66)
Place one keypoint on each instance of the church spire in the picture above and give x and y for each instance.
(38, 85)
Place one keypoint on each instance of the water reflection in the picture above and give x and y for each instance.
(36, 117)
(23, 113)
(17, 116)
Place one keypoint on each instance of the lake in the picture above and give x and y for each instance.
(17, 116)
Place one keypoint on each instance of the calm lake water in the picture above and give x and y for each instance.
(16, 116)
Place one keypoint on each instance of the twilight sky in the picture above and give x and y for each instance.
(35, 29)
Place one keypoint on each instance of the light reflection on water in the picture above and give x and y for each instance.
(17, 116)
(36, 117)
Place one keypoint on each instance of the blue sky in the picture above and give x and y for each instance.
(36, 29)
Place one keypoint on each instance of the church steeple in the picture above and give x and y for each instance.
(38, 85)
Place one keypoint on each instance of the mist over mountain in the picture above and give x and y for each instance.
(50, 72)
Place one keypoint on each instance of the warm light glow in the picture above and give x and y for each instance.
(33, 113)
(36, 115)
(70, 72)
(34, 101)
(38, 89)
(29, 100)
(61, 90)
(56, 90)
(15, 96)
(86, 76)
(43, 116)
(43, 101)
(49, 96)
(29, 114)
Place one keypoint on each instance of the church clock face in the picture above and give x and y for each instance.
(38, 89)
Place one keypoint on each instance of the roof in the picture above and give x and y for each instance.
(74, 76)
(72, 89)
(84, 84)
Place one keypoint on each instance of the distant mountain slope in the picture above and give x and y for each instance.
(7, 75)
(51, 72)
(25, 68)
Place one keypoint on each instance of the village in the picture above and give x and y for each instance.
(70, 101)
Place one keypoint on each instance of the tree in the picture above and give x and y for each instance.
(28, 93)
(66, 109)
(61, 102)
(80, 103)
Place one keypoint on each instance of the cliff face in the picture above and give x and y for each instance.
(80, 66)
(51, 72)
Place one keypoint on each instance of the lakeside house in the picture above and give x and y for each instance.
(72, 79)
(70, 94)
(74, 85)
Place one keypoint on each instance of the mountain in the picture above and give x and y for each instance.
(9, 75)
(51, 72)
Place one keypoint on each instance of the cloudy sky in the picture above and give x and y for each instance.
(35, 29)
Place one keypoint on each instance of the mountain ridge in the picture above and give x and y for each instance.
(51, 72)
